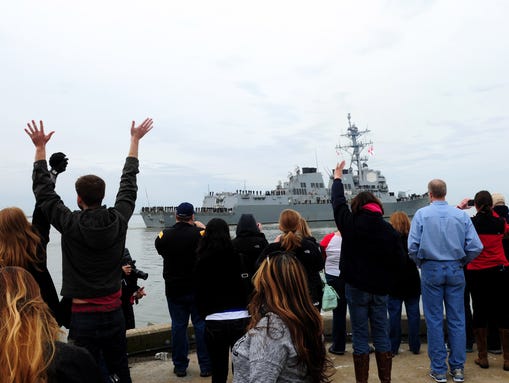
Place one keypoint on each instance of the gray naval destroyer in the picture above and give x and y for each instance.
(304, 191)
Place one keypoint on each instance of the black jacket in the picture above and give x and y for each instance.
(408, 282)
(249, 241)
(503, 211)
(371, 251)
(177, 245)
(219, 286)
(40, 271)
(93, 240)
(73, 364)
(310, 256)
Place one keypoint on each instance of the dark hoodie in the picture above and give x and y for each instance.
(249, 240)
(93, 240)
(371, 252)
(503, 211)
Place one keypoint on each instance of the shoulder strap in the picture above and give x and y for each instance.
(245, 274)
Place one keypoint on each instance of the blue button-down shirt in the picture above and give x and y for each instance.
(440, 232)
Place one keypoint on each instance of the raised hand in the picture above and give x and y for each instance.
(138, 132)
(37, 135)
(338, 172)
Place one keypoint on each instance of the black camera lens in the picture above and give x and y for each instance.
(140, 274)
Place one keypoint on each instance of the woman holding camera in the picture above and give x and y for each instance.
(487, 277)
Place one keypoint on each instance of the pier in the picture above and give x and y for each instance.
(406, 366)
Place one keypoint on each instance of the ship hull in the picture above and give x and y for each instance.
(161, 218)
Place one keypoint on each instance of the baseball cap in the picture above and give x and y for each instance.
(185, 210)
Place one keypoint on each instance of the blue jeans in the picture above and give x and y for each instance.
(413, 320)
(181, 308)
(338, 314)
(443, 283)
(365, 307)
(103, 335)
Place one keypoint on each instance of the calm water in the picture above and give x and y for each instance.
(140, 241)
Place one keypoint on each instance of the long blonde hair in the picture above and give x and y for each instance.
(280, 287)
(290, 225)
(18, 240)
(28, 330)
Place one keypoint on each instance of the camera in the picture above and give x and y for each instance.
(127, 260)
(470, 202)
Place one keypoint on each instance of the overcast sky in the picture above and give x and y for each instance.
(242, 92)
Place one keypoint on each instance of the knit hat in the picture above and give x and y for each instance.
(498, 199)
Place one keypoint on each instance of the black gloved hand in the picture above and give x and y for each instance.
(58, 162)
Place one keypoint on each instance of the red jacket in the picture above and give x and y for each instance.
(491, 229)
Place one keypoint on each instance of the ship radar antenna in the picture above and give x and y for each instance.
(356, 146)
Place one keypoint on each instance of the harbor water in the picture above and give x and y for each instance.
(153, 309)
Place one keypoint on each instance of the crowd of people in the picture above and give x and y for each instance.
(254, 303)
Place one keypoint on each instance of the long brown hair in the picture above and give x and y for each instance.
(400, 222)
(280, 287)
(18, 240)
(290, 224)
(28, 329)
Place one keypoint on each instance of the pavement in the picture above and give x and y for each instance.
(406, 367)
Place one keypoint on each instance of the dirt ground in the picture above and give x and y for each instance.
(407, 367)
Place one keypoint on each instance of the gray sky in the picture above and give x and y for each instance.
(243, 92)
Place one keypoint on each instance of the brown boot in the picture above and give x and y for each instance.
(481, 339)
(504, 337)
(361, 364)
(384, 364)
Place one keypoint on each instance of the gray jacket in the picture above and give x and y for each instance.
(267, 354)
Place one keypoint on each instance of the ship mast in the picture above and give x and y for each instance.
(353, 133)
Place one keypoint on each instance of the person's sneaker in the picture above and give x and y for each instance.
(457, 375)
(495, 351)
(205, 374)
(439, 378)
(179, 373)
